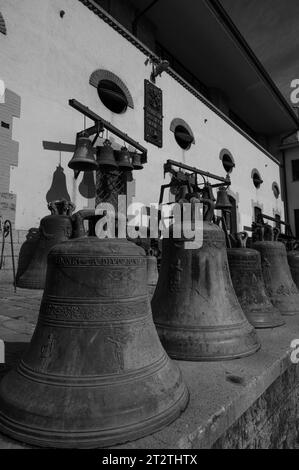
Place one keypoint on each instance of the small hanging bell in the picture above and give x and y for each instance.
(83, 159)
(223, 200)
(124, 159)
(136, 161)
(105, 155)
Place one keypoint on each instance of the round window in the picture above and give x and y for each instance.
(183, 137)
(112, 96)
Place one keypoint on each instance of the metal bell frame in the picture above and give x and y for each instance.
(100, 125)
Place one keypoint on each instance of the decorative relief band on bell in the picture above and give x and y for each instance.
(249, 265)
(97, 313)
(90, 380)
(93, 261)
(276, 249)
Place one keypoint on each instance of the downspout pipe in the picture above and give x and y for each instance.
(139, 16)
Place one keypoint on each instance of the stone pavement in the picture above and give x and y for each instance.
(18, 316)
(221, 392)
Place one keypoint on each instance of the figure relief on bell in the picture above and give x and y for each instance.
(175, 277)
(46, 351)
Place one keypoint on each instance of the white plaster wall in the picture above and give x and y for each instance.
(48, 60)
(293, 186)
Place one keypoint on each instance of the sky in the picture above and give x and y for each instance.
(271, 28)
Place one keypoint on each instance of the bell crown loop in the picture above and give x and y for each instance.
(61, 207)
(242, 238)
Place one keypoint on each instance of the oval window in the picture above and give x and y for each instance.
(183, 137)
(112, 96)
(276, 190)
(257, 180)
(228, 163)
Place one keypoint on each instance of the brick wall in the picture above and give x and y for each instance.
(9, 150)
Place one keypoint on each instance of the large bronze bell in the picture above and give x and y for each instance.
(53, 229)
(280, 286)
(195, 308)
(293, 259)
(105, 155)
(246, 273)
(95, 373)
(83, 158)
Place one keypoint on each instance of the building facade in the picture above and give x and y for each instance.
(290, 161)
(56, 50)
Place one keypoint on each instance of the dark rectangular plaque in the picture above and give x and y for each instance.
(153, 114)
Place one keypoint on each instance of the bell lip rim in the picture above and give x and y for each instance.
(140, 430)
(215, 358)
(267, 326)
(138, 168)
(125, 167)
(90, 167)
(291, 313)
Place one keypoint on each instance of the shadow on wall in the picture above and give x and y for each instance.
(87, 187)
(58, 189)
